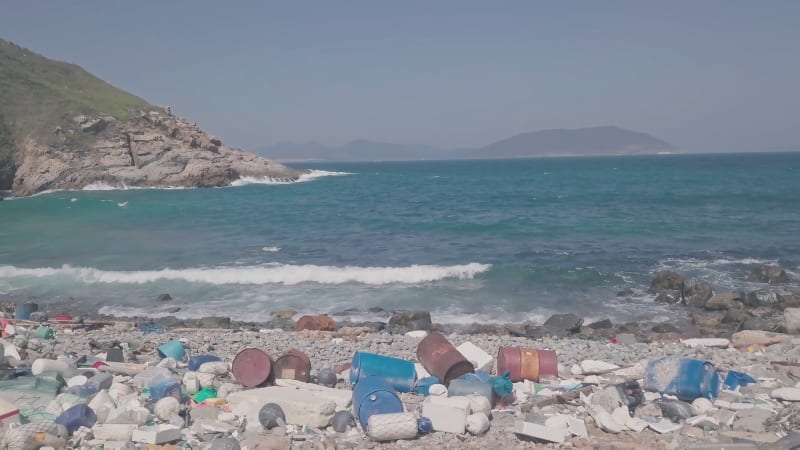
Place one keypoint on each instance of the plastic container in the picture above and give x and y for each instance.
(196, 361)
(735, 379)
(320, 323)
(165, 388)
(442, 359)
(684, 378)
(397, 373)
(84, 390)
(391, 427)
(424, 384)
(293, 365)
(527, 363)
(459, 387)
(252, 367)
(373, 396)
(172, 349)
(147, 377)
(24, 310)
(42, 365)
(77, 416)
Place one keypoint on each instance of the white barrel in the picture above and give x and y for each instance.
(42, 365)
(391, 427)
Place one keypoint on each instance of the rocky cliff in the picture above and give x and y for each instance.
(150, 149)
(63, 128)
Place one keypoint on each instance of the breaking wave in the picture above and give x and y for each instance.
(308, 176)
(285, 274)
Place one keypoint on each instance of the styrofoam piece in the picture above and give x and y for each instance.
(786, 394)
(577, 427)
(480, 404)
(301, 407)
(342, 398)
(166, 408)
(477, 423)
(604, 419)
(417, 334)
(593, 366)
(156, 434)
(474, 354)
(703, 422)
(707, 342)
(540, 432)
(665, 426)
(218, 368)
(448, 414)
(636, 424)
(114, 432)
(421, 371)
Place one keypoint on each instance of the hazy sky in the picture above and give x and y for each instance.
(703, 75)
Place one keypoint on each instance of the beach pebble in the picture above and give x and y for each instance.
(787, 394)
(701, 406)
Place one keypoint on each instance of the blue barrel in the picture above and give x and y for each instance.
(425, 384)
(76, 417)
(196, 361)
(397, 373)
(165, 388)
(685, 378)
(471, 387)
(373, 396)
(24, 310)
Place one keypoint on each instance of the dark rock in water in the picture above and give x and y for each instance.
(215, 322)
(668, 297)
(566, 322)
(346, 312)
(600, 324)
(696, 293)
(373, 326)
(707, 320)
(627, 292)
(724, 301)
(665, 328)
(735, 316)
(404, 321)
(761, 297)
(538, 332)
(169, 322)
(769, 273)
(173, 310)
(375, 309)
(790, 300)
(675, 410)
(630, 327)
(280, 323)
(164, 297)
(517, 330)
(483, 328)
(284, 314)
(667, 281)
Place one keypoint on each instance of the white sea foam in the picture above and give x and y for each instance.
(272, 249)
(309, 176)
(102, 186)
(285, 274)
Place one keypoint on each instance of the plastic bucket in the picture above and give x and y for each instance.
(293, 365)
(24, 310)
(320, 323)
(442, 359)
(527, 363)
(172, 349)
(196, 361)
(397, 373)
(685, 378)
(252, 367)
(77, 416)
(373, 396)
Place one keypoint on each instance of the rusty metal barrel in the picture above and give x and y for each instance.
(442, 359)
(252, 367)
(527, 363)
(320, 323)
(293, 365)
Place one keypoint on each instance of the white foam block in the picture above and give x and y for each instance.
(156, 434)
(301, 407)
(540, 432)
(448, 414)
(342, 398)
(475, 355)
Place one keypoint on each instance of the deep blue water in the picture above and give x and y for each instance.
(469, 240)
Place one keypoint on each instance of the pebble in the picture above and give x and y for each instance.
(787, 394)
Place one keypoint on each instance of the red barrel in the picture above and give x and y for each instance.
(293, 365)
(442, 359)
(527, 363)
(252, 367)
(320, 323)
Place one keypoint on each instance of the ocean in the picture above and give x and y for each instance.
(471, 241)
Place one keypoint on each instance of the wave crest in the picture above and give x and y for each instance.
(285, 274)
(311, 175)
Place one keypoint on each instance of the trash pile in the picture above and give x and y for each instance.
(120, 397)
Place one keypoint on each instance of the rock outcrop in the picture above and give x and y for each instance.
(150, 149)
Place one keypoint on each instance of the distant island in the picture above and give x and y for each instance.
(594, 141)
(63, 128)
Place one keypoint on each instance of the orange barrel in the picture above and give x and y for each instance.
(441, 359)
(321, 323)
(527, 363)
(252, 367)
(293, 365)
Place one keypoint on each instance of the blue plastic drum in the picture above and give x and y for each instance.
(397, 373)
(373, 396)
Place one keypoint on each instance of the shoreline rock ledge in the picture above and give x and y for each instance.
(151, 148)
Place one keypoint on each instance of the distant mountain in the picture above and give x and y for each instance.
(560, 142)
(358, 150)
(577, 142)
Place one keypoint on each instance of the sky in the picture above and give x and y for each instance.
(707, 76)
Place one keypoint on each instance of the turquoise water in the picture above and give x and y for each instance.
(468, 240)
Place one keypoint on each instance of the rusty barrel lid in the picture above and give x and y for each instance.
(548, 363)
(293, 365)
(529, 364)
(252, 367)
(508, 360)
(442, 359)
(321, 323)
